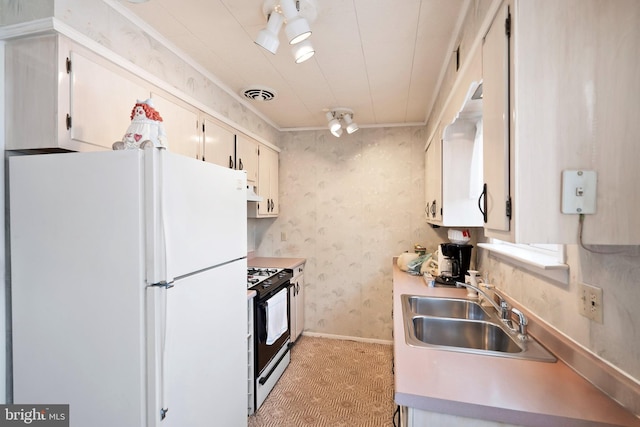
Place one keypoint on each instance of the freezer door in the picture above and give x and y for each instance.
(196, 215)
(198, 350)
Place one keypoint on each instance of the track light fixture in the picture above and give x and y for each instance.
(303, 51)
(268, 38)
(297, 26)
(337, 115)
(297, 15)
(351, 125)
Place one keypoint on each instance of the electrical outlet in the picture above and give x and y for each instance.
(590, 302)
(283, 236)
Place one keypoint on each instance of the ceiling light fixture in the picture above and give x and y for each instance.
(351, 125)
(337, 115)
(297, 29)
(337, 132)
(268, 38)
(303, 51)
(334, 123)
(297, 15)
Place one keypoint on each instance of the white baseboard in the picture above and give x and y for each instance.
(344, 337)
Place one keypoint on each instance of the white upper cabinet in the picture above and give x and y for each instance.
(572, 104)
(219, 143)
(180, 122)
(268, 162)
(247, 157)
(496, 200)
(61, 96)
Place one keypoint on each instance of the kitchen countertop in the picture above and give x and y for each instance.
(288, 263)
(520, 392)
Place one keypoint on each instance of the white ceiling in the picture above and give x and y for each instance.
(381, 58)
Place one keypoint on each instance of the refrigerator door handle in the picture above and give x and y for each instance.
(156, 235)
(156, 352)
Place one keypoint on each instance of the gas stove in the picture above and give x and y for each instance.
(264, 280)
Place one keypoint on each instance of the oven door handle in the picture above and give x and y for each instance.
(261, 314)
(264, 379)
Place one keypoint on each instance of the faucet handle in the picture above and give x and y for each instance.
(519, 316)
(504, 306)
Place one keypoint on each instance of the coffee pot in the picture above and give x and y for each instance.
(453, 262)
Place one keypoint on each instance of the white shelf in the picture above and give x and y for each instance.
(530, 260)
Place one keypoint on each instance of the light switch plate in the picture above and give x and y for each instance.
(579, 191)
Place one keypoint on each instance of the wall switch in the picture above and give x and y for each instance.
(283, 236)
(579, 192)
(590, 302)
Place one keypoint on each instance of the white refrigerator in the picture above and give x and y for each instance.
(128, 272)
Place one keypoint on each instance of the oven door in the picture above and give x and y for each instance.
(263, 351)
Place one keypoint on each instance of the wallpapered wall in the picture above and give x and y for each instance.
(349, 205)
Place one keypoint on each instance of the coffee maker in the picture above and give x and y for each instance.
(455, 262)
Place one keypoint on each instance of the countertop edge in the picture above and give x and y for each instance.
(276, 262)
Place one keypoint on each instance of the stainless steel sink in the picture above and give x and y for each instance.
(456, 324)
(446, 307)
(477, 335)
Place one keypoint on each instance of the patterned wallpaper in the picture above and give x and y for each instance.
(349, 205)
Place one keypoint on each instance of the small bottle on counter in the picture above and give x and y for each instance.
(429, 280)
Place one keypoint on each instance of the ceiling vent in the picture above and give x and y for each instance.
(259, 93)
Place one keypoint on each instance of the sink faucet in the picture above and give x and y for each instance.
(501, 307)
(507, 315)
(522, 321)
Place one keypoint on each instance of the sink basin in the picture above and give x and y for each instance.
(446, 307)
(477, 335)
(457, 324)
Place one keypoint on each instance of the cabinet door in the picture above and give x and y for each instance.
(273, 182)
(299, 305)
(462, 174)
(293, 307)
(180, 124)
(247, 157)
(101, 100)
(433, 178)
(296, 298)
(495, 110)
(268, 182)
(219, 143)
(60, 95)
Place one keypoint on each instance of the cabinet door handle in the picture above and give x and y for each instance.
(240, 166)
(433, 209)
(230, 162)
(483, 198)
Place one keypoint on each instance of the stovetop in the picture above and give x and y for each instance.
(264, 280)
